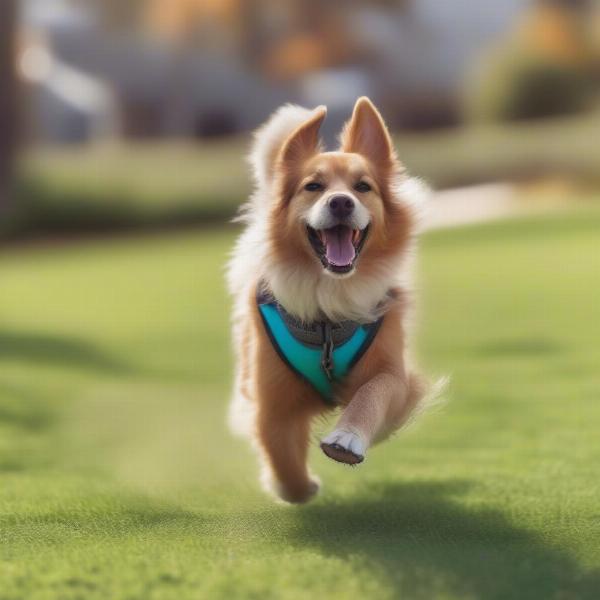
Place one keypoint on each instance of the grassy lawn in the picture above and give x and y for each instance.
(106, 186)
(118, 479)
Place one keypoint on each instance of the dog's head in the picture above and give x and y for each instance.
(339, 212)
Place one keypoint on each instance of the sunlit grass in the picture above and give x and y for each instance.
(119, 480)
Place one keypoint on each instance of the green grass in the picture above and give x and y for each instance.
(105, 187)
(151, 185)
(118, 478)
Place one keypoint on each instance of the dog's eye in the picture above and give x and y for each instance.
(314, 186)
(362, 187)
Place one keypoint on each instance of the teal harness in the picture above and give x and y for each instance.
(323, 352)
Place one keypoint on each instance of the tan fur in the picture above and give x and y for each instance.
(380, 392)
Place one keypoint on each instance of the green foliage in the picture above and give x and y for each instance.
(109, 187)
(517, 84)
(160, 185)
(119, 480)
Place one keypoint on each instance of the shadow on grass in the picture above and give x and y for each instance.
(53, 350)
(422, 541)
(425, 543)
(25, 415)
(25, 409)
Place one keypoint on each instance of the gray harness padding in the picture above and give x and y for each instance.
(313, 334)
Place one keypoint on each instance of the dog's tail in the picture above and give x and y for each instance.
(424, 396)
(269, 138)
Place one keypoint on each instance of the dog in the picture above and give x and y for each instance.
(320, 281)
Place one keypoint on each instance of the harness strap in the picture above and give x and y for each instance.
(324, 364)
(328, 348)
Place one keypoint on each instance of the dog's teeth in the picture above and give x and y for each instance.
(355, 235)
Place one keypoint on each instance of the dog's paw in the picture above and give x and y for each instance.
(345, 446)
(297, 493)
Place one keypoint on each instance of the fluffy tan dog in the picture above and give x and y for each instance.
(321, 269)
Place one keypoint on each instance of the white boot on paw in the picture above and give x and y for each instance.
(345, 445)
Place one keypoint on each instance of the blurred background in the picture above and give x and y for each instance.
(123, 130)
(125, 114)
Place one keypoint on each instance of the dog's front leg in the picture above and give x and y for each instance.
(375, 411)
(283, 437)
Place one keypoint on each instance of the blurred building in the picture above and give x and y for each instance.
(64, 102)
(202, 68)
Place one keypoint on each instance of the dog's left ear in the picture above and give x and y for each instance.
(365, 133)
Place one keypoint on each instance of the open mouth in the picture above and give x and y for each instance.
(337, 247)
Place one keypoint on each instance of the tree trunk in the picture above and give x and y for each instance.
(8, 100)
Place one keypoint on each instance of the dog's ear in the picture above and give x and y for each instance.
(300, 145)
(303, 142)
(365, 133)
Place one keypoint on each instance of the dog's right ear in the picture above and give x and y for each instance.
(304, 141)
(290, 122)
(302, 144)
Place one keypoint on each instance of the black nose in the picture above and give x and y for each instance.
(341, 206)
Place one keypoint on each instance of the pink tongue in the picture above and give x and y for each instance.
(339, 248)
